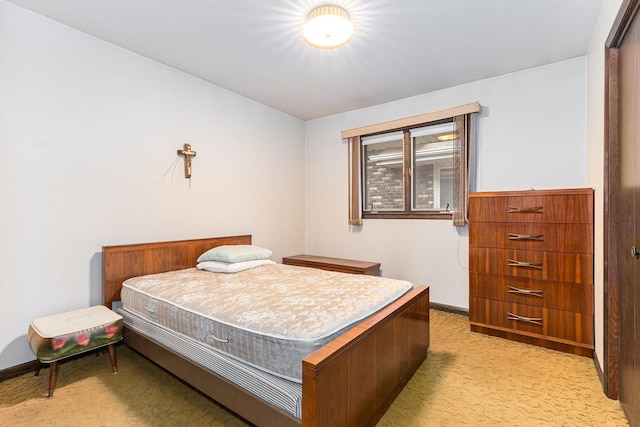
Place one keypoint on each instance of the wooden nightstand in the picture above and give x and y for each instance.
(334, 264)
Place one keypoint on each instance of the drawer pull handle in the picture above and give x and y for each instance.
(537, 237)
(534, 209)
(531, 292)
(514, 263)
(533, 320)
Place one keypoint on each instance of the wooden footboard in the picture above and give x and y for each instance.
(351, 381)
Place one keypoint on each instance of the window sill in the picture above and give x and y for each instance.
(388, 215)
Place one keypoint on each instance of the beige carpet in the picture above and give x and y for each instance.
(467, 379)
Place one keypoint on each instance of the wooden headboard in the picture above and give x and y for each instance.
(125, 261)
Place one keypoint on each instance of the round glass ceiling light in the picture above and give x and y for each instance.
(328, 27)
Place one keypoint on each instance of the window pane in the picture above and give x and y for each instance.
(383, 183)
(432, 161)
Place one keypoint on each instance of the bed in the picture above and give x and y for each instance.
(352, 380)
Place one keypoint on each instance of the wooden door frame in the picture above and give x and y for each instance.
(611, 373)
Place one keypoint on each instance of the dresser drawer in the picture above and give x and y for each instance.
(541, 293)
(556, 266)
(573, 238)
(561, 208)
(562, 326)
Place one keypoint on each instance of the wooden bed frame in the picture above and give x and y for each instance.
(351, 381)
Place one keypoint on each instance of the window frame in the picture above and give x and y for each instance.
(408, 184)
(460, 114)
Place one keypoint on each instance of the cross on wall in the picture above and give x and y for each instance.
(188, 154)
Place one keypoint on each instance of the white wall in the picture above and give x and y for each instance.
(89, 134)
(531, 134)
(595, 157)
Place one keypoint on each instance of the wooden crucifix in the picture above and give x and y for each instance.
(188, 154)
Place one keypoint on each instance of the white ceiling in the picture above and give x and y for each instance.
(400, 48)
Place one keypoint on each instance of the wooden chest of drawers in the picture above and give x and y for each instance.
(531, 267)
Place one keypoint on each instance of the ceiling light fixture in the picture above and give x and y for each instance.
(328, 27)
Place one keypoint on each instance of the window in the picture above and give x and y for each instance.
(411, 168)
(428, 167)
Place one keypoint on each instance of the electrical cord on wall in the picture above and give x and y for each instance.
(172, 168)
(465, 268)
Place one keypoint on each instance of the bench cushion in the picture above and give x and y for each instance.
(62, 335)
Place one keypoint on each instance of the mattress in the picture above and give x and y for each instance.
(269, 317)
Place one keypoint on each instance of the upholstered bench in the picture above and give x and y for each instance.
(56, 337)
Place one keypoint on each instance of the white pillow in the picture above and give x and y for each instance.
(235, 253)
(232, 267)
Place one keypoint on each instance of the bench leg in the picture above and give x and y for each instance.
(38, 366)
(112, 356)
(53, 377)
